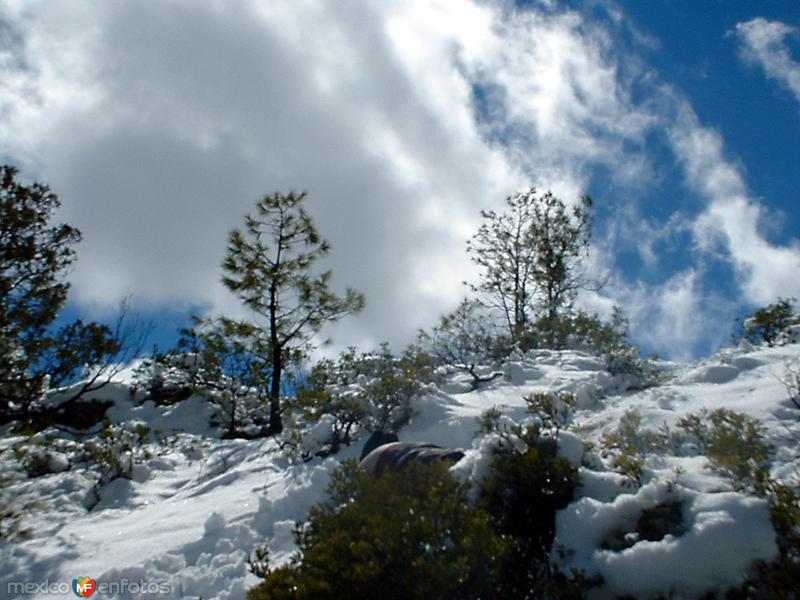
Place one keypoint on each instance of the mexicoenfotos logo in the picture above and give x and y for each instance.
(84, 586)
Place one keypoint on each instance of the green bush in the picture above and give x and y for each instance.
(781, 578)
(554, 410)
(409, 534)
(523, 493)
(418, 533)
(769, 325)
(630, 443)
(577, 330)
(733, 442)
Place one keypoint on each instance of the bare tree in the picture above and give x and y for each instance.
(466, 339)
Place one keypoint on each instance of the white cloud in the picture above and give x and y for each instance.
(160, 124)
(674, 316)
(731, 218)
(764, 43)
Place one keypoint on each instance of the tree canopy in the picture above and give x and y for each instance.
(269, 265)
(34, 258)
(529, 257)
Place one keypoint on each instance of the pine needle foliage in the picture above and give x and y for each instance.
(269, 264)
(34, 258)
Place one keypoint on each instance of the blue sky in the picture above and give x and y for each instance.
(160, 124)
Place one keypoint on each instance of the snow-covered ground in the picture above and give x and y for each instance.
(192, 513)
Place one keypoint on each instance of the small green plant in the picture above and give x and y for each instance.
(653, 525)
(43, 453)
(11, 513)
(510, 433)
(791, 381)
(36, 464)
(630, 444)
(781, 577)
(733, 442)
(489, 420)
(656, 522)
(258, 561)
(115, 451)
(554, 409)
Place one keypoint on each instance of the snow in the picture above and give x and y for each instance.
(191, 514)
(725, 533)
(570, 447)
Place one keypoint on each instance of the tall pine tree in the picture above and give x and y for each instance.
(34, 256)
(269, 266)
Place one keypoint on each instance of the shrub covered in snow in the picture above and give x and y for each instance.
(166, 378)
(468, 340)
(553, 410)
(774, 324)
(12, 512)
(791, 381)
(706, 542)
(48, 451)
(212, 360)
(116, 450)
(358, 392)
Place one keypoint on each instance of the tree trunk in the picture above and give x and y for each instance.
(275, 422)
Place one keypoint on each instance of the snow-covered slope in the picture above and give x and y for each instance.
(192, 513)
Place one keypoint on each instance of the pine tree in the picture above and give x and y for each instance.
(529, 256)
(268, 265)
(34, 256)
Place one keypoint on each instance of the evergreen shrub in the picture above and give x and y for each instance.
(408, 534)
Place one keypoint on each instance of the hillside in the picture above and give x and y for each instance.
(196, 506)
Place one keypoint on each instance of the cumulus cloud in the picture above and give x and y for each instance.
(732, 217)
(763, 43)
(160, 124)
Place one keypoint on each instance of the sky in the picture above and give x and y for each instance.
(160, 123)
